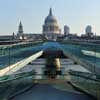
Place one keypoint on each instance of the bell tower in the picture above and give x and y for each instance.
(20, 30)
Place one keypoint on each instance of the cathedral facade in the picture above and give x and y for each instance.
(51, 28)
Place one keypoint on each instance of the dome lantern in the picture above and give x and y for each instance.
(50, 12)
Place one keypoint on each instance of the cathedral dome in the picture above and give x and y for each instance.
(50, 19)
(50, 27)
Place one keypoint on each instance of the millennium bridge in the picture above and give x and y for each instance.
(69, 66)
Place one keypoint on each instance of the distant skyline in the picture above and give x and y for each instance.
(77, 14)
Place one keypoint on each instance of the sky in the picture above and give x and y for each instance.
(77, 14)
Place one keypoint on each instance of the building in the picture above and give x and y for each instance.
(26, 36)
(6, 38)
(20, 34)
(51, 28)
(66, 30)
(88, 31)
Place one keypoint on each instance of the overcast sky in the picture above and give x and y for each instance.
(77, 14)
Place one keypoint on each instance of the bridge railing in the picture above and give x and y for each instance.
(78, 57)
(17, 66)
(78, 75)
(10, 54)
(89, 86)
